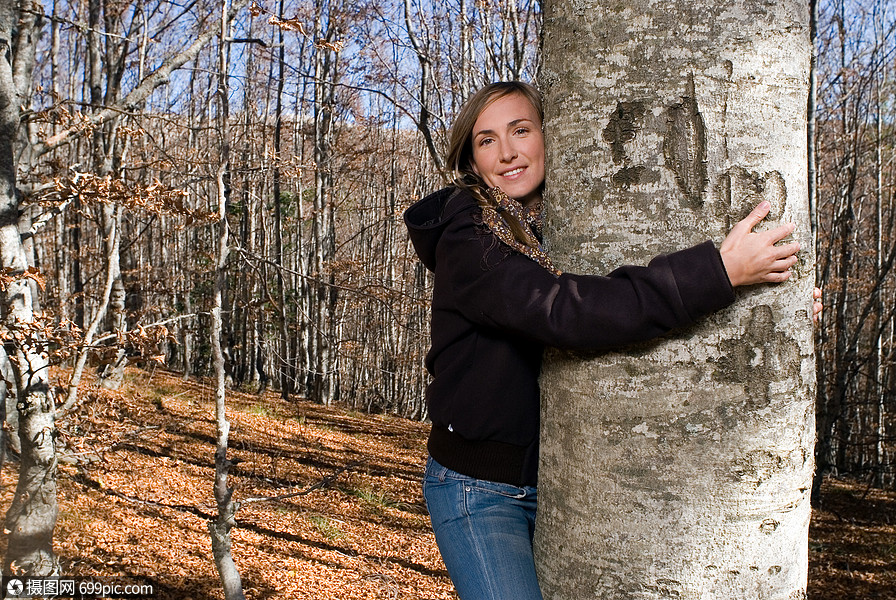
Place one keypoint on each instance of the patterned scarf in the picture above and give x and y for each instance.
(532, 217)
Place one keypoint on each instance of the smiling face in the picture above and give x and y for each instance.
(508, 148)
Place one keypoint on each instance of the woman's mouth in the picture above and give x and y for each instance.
(514, 172)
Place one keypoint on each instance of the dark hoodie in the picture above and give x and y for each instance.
(493, 312)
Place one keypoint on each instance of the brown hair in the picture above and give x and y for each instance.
(460, 147)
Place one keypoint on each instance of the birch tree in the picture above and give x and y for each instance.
(681, 468)
(32, 515)
(220, 528)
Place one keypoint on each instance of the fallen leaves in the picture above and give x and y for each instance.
(361, 533)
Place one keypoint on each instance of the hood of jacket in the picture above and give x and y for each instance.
(426, 219)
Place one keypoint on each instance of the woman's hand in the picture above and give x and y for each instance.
(817, 305)
(752, 257)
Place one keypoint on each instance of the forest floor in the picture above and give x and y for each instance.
(353, 526)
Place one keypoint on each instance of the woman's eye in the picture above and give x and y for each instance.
(522, 131)
(485, 141)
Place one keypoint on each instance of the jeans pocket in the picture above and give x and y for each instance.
(498, 489)
(444, 499)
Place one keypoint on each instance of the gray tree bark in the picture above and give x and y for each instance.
(220, 528)
(32, 514)
(322, 379)
(680, 468)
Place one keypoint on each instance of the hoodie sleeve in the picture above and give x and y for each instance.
(514, 294)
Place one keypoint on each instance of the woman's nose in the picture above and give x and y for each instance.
(508, 151)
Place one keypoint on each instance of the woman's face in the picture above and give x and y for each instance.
(508, 148)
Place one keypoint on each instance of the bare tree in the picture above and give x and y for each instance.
(855, 188)
(32, 515)
(220, 529)
(681, 468)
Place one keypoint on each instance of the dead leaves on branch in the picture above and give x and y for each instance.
(9, 276)
(156, 198)
(58, 340)
(142, 344)
(59, 115)
(295, 24)
(55, 340)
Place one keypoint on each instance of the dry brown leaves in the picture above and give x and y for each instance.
(54, 339)
(8, 276)
(852, 546)
(295, 24)
(156, 198)
(142, 506)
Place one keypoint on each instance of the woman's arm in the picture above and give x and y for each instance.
(493, 286)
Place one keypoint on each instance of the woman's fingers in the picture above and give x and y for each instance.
(784, 263)
(755, 217)
(758, 257)
(777, 277)
(779, 233)
(786, 250)
(817, 305)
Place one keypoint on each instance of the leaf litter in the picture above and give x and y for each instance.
(331, 501)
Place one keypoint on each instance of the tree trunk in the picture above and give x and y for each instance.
(9, 416)
(221, 527)
(322, 380)
(111, 374)
(112, 234)
(283, 365)
(32, 514)
(681, 468)
(77, 275)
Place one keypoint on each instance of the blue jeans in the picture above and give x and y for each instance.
(484, 533)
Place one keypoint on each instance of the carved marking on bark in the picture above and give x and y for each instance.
(758, 466)
(685, 147)
(749, 188)
(665, 588)
(768, 526)
(761, 350)
(628, 176)
(624, 124)
(723, 192)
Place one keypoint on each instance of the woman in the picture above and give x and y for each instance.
(498, 300)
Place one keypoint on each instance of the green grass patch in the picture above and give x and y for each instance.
(260, 409)
(378, 500)
(326, 527)
(375, 498)
(157, 394)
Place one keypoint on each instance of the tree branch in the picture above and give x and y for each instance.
(155, 79)
(320, 484)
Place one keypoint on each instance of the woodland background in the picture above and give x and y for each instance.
(310, 126)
